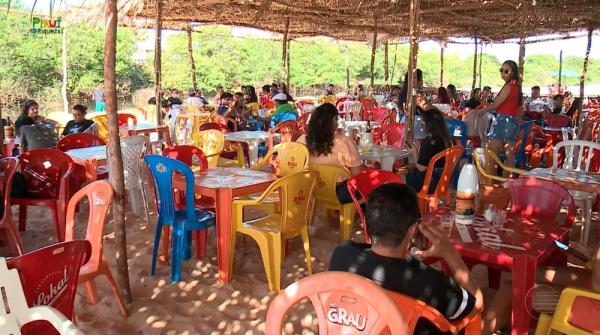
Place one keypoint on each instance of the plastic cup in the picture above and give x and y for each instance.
(447, 221)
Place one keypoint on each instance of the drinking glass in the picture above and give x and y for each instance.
(447, 220)
(499, 219)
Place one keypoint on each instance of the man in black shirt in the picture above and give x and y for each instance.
(391, 216)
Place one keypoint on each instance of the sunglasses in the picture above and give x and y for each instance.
(504, 71)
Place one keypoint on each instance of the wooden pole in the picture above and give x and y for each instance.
(522, 41)
(191, 57)
(480, 60)
(560, 71)
(442, 65)
(373, 50)
(4, 154)
(63, 89)
(114, 149)
(158, 61)
(386, 66)
(284, 48)
(411, 107)
(584, 72)
(474, 67)
(287, 64)
(394, 64)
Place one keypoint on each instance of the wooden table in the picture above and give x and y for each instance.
(536, 237)
(384, 154)
(253, 138)
(223, 184)
(90, 158)
(572, 180)
(146, 129)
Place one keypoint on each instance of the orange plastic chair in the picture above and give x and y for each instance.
(413, 309)
(428, 202)
(576, 314)
(99, 195)
(335, 297)
(272, 231)
(8, 167)
(326, 197)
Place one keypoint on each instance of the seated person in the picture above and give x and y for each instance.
(328, 96)
(392, 213)
(79, 123)
(284, 111)
(30, 115)
(226, 99)
(327, 146)
(559, 101)
(475, 99)
(38, 136)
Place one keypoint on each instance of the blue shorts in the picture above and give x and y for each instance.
(504, 128)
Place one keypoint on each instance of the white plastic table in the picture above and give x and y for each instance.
(385, 155)
(253, 138)
(91, 158)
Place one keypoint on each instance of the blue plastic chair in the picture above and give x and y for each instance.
(523, 133)
(182, 221)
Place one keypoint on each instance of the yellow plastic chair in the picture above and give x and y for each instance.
(101, 126)
(487, 163)
(211, 142)
(326, 197)
(560, 321)
(291, 157)
(270, 232)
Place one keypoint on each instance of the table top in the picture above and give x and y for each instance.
(557, 129)
(570, 177)
(246, 135)
(377, 151)
(142, 126)
(82, 154)
(232, 177)
(535, 237)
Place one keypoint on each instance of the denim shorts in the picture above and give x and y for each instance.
(504, 128)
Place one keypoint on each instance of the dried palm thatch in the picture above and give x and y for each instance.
(489, 20)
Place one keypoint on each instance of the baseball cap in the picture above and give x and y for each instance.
(280, 96)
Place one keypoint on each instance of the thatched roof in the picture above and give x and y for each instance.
(490, 20)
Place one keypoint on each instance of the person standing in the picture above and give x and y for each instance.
(99, 103)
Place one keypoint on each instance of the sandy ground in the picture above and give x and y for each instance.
(195, 305)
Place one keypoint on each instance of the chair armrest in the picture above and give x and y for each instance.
(63, 325)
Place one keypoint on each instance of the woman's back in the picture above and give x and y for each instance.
(510, 106)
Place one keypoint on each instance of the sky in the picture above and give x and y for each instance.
(571, 47)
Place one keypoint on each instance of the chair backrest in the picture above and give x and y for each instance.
(162, 169)
(524, 138)
(186, 154)
(8, 167)
(389, 118)
(539, 198)
(101, 123)
(451, 156)
(576, 314)
(365, 182)
(100, 196)
(302, 124)
(327, 182)
(213, 125)
(486, 165)
(211, 142)
(377, 114)
(133, 149)
(393, 134)
(457, 128)
(345, 303)
(45, 172)
(124, 118)
(578, 155)
(49, 275)
(79, 140)
(291, 157)
(413, 310)
(557, 120)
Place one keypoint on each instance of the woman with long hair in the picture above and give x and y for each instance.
(436, 141)
(442, 96)
(30, 115)
(404, 91)
(509, 112)
(326, 146)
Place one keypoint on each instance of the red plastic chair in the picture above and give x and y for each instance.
(377, 114)
(79, 140)
(48, 176)
(335, 297)
(542, 199)
(8, 231)
(287, 130)
(123, 119)
(99, 195)
(301, 125)
(365, 182)
(186, 154)
(367, 103)
(557, 120)
(49, 277)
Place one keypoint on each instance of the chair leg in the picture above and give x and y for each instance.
(200, 243)
(157, 238)
(306, 244)
(22, 217)
(177, 250)
(166, 232)
(12, 235)
(60, 234)
(91, 291)
(587, 221)
(346, 222)
(270, 250)
(115, 290)
(494, 278)
(145, 202)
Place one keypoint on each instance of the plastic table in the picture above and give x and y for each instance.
(223, 184)
(536, 237)
(147, 129)
(253, 138)
(91, 158)
(572, 180)
(384, 154)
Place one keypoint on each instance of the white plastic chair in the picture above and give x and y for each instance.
(14, 311)
(576, 160)
(133, 149)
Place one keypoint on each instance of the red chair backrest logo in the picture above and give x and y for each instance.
(51, 287)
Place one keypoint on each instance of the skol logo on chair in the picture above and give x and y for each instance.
(99, 201)
(292, 162)
(40, 25)
(300, 197)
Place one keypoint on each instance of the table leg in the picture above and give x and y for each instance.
(91, 170)
(223, 203)
(387, 163)
(253, 152)
(524, 268)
